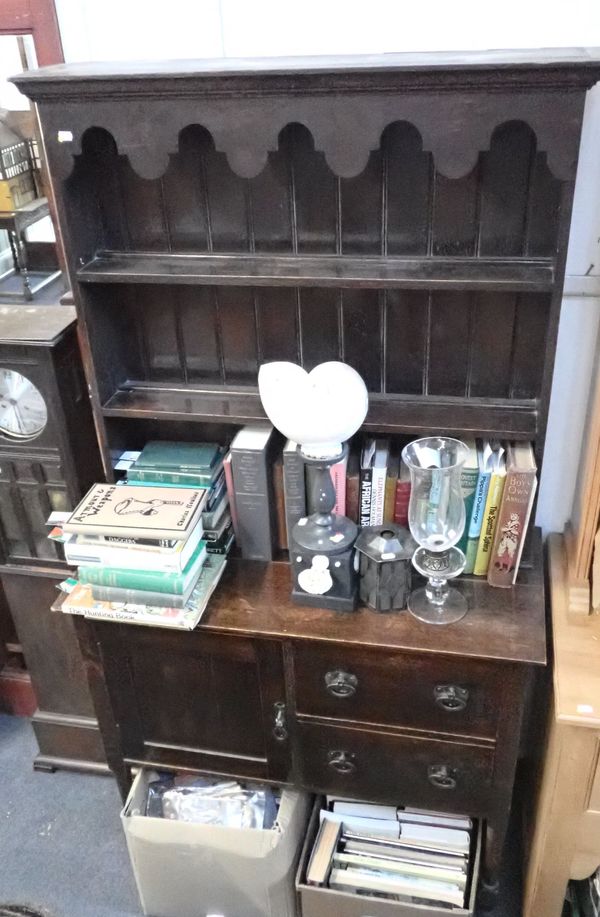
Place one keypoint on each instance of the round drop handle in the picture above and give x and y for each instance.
(341, 684)
(342, 762)
(442, 777)
(452, 698)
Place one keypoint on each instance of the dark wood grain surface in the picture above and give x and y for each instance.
(254, 598)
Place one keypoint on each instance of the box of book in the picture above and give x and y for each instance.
(339, 875)
(184, 869)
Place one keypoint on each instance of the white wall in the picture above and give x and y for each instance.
(130, 29)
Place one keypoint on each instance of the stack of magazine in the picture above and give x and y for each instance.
(404, 854)
(142, 549)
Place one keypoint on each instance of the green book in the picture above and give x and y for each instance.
(187, 458)
(159, 476)
(146, 580)
(468, 484)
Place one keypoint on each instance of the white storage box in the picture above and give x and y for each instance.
(319, 901)
(186, 870)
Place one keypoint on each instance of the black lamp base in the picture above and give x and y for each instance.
(332, 602)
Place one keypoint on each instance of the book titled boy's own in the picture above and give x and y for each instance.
(519, 491)
(135, 512)
(251, 468)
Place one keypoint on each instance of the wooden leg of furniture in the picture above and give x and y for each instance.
(562, 799)
(110, 730)
(565, 842)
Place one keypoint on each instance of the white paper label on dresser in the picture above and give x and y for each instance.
(316, 580)
(65, 136)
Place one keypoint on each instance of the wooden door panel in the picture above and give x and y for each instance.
(195, 697)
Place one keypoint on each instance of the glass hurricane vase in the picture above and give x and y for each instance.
(436, 518)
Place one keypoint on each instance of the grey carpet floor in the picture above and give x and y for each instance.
(62, 849)
(61, 843)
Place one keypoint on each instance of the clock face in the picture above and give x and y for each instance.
(23, 413)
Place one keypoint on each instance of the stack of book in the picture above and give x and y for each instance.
(406, 855)
(499, 483)
(181, 464)
(141, 555)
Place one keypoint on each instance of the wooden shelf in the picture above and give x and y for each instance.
(368, 271)
(511, 419)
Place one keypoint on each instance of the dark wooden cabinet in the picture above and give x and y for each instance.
(48, 458)
(408, 214)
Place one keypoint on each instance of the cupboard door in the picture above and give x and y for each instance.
(197, 701)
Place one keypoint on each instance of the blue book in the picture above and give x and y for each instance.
(487, 457)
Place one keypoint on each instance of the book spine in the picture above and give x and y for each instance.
(132, 542)
(468, 484)
(105, 556)
(338, 476)
(366, 491)
(353, 490)
(294, 488)
(513, 520)
(144, 580)
(230, 491)
(488, 529)
(377, 495)
(278, 495)
(476, 522)
(401, 503)
(177, 478)
(254, 501)
(131, 617)
(389, 503)
(137, 597)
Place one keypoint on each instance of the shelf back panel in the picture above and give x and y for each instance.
(508, 205)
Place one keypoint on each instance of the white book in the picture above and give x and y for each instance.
(381, 827)
(80, 553)
(396, 849)
(430, 836)
(379, 474)
(364, 809)
(394, 865)
(421, 817)
(361, 880)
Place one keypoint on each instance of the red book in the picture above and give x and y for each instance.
(402, 496)
(230, 492)
(338, 476)
(513, 518)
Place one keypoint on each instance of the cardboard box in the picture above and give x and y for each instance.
(185, 870)
(318, 901)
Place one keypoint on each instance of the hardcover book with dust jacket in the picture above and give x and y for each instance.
(135, 512)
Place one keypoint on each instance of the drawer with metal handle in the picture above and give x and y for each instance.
(363, 764)
(433, 694)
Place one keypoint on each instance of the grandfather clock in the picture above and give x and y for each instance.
(48, 458)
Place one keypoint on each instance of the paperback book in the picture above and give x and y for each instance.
(135, 512)
(81, 602)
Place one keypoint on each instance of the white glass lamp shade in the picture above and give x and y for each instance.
(320, 409)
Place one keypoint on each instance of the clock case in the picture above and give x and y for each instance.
(53, 469)
(50, 470)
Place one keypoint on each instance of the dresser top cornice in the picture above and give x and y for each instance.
(510, 69)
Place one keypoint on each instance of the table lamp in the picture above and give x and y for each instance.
(319, 410)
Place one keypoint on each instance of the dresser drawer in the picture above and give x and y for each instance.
(415, 691)
(427, 773)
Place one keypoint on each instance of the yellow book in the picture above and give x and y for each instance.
(490, 517)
